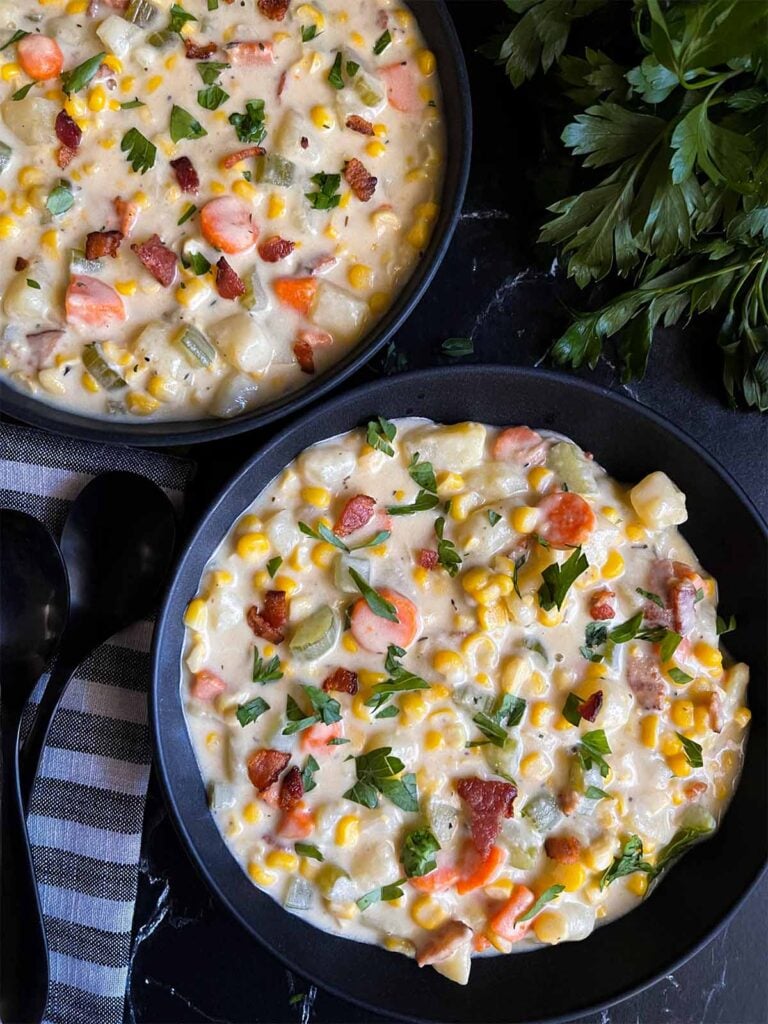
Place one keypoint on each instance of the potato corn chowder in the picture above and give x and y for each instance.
(201, 203)
(453, 689)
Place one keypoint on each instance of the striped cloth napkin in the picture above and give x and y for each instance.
(87, 807)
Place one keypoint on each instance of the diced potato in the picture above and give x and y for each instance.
(32, 119)
(456, 968)
(374, 863)
(457, 448)
(327, 465)
(234, 395)
(478, 540)
(153, 350)
(658, 502)
(287, 140)
(282, 531)
(337, 311)
(244, 343)
(27, 303)
(496, 480)
(118, 35)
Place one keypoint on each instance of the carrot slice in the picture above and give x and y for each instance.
(402, 87)
(206, 685)
(438, 880)
(480, 943)
(297, 292)
(503, 922)
(316, 737)
(567, 518)
(375, 633)
(91, 303)
(40, 57)
(520, 444)
(481, 873)
(228, 225)
(297, 823)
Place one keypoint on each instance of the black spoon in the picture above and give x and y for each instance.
(117, 544)
(34, 598)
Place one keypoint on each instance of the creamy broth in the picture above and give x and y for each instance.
(203, 284)
(544, 753)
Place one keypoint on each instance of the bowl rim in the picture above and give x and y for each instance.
(431, 376)
(61, 419)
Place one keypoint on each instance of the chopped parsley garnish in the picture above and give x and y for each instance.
(571, 707)
(323, 533)
(327, 196)
(190, 211)
(422, 503)
(308, 32)
(392, 891)
(536, 646)
(458, 347)
(506, 713)
(273, 565)
(447, 555)
(212, 97)
(680, 842)
(334, 75)
(650, 596)
(725, 626)
(325, 710)
(184, 126)
(179, 18)
(380, 773)
(265, 672)
(251, 710)
(519, 563)
(546, 897)
(422, 474)
(308, 850)
(31, 283)
(692, 751)
(23, 92)
(141, 152)
(418, 853)
(197, 263)
(594, 793)
(628, 862)
(493, 518)
(17, 35)
(210, 70)
(213, 5)
(79, 77)
(626, 631)
(400, 681)
(132, 104)
(382, 43)
(380, 432)
(378, 604)
(558, 580)
(308, 774)
(352, 68)
(591, 749)
(678, 676)
(250, 127)
(60, 200)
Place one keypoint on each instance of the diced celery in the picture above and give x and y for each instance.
(273, 169)
(698, 818)
(503, 761)
(221, 796)
(443, 820)
(473, 700)
(78, 264)
(99, 368)
(524, 844)
(141, 13)
(255, 298)
(299, 894)
(341, 576)
(543, 811)
(198, 350)
(5, 156)
(315, 635)
(335, 884)
(572, 467)
(366, 92)
(162, 39)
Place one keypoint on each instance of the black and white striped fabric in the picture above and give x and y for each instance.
(87, 808)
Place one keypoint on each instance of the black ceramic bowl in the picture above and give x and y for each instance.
(440, 34)
(688, 907)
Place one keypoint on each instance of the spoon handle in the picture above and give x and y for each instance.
(32, 751)
(23, 948)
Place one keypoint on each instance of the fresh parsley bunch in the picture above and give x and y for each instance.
(676, 139)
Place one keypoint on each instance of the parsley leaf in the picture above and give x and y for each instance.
(141, 152)
(308, 32)
(447, 555)
(591, 749)
(594, 793)
(422, 474)
(132, 104)
(650, 596)
(458, 347)
(79, 77)
(250, 127)
(493, 518)
(323, 533)
(692, 751)
(184, 126)
(251, 710)
(506, 713)
(380, 773)
(382, 42)
(678, 676)
(17, 35)
(190, 211)
(179, 18)
(308, 850)
(423, 502)
(400, 681)
(23, 92)
(558, 579)
(546, 897)
(380, 432)
(327, 196)
(326, 710)
(725, 625)
(418, 853)
(679, 844)
(378, 604)
(392, 891)
(265, 672)
(628, 862)
(212, 97)
(308, 774)
(273, 565)
(197, 263)
(210, 70)
(60, 200)
(334, 75)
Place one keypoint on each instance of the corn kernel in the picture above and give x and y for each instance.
(541, 713)
(462, 505)
(420, 576)
(323, 554)
(742, 717)
(426, 62)
(489, 594)
(426, 93)
(537, 684)
(8, 227)
(611, 513)
(29, 176)
(427, 913)
(252, 812)
(708, 655)
(286, 583)
(307, 12)
(260, 876)
(492, 616)
(212, 740)
(539, 478)
(414, 707)
(348, 830)
(154, 83)
(638, 883)
(97, 98)
(50, 241)
(282, 860)
(380, 130)
(634, 532)
(322, 117)
(252, 545)
(349, 644)
(375, 149)
(360, 276)
(700, 719)
(308, 868)
(515, 673)
(196, 614)
(245, 190)
(418, 236)
(682, 714)
(572, 876)
(90, 383)
(317, 497)
(218, 188)
(234, 827)
(9, 71)
(359, 710)
(599, 854)
(679, 766)
(535, 766)
(368, 678)
(649, 731)
(524, 518)
(275, 207)
(76, 7)
(222, 578)
(433, 740)
(550, 617)
(550, 927)
(613, 566)
(475, 579)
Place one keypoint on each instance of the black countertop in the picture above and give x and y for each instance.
(191, 962)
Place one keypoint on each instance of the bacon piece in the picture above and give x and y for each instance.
(275, 248)
(68, 131)
(43, 344)
(359, 180)
(305, 356)
(563, 849)
(646, 682)
(382, 18)
(228, 283)
(281, 84)
(427, 558)
(128, 213)
(291, 789)
(341, 680)
(20, 264)
(356, 513)
(193, 51)
(677, 584)
(206, 685)
(444, 943)
(602, 605)
(186, 175)
(102, 243)
(590, 708)
(319, 264)
(694, 789)
(250, 53)
(264, 767)
(64, 156)
(360, 125)
(241, 154)
(261, 627)
(275, 10)
(275, 608)
(715, 712)
(488, 802)
(159, 260)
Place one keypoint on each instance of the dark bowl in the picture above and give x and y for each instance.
(731, 540)
(440, 34)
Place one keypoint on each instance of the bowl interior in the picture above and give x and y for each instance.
(731, 541)
(438, 30)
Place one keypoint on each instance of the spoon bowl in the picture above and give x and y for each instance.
(34, 600)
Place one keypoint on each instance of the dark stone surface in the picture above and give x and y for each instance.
(191, 962)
